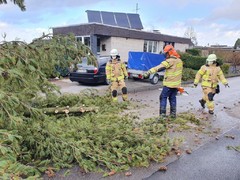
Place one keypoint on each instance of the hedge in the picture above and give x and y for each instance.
(195, 62)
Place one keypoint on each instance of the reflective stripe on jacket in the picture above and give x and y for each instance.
(116, 70)
(210, 76)
(173, 74)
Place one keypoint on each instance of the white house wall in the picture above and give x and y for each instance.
(181, 47)
(160, 46)
(107, 43)
(124, 45)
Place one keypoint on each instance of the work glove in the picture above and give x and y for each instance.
(146, 75)
(194, 85)
(226, 85)
(109, 81)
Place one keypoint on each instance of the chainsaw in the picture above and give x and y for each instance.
(182, 92)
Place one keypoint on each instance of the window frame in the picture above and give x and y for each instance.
(150, 46)
(82, 40)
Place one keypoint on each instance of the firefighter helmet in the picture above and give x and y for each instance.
(114, 52)
(168, 48)
(211, 59)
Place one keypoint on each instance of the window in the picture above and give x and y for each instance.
(150, 46)
(87, 41)
(154, 47)
(103, 47)
(84, 39)
(167, 43)
(79, 39)
(145, 46)
(98, 45)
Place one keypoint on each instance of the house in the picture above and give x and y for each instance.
(122, 31)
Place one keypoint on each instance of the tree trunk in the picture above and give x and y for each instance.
(67, 110)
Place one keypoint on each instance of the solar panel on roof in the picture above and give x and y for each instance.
(135, 21)
(115, 19)
(108, 18)
(94, 16)
(122, 20)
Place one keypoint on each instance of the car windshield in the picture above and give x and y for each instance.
(84, 64)
(103, 60)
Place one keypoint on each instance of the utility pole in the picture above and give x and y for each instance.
(137, 8)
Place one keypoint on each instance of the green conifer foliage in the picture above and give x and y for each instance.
(32, 142)
(19, 3)
(24, 72)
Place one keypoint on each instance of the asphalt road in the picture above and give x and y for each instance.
(213, 161)
(133, 86)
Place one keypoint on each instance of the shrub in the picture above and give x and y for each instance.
(188, 74)
(194, 52)
(225, 68)
(193, 62)
(220, 61)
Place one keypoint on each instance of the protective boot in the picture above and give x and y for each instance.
(173, 112)
(114, 96)
(202, 102)
(125, 97)
(124, 94)
(211, 112)
(162, 112)
(114, 99)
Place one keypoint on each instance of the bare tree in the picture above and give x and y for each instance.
(4, 35)
(19, 3)
(235, 60)
(190, 33)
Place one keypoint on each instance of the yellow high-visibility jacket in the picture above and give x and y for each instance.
(173, 73)
(116, 70)
(210, 75)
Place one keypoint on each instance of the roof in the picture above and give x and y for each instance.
(114, 31)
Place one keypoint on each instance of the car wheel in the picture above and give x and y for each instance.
(154, 79)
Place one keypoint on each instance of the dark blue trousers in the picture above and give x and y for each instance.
(170, 94)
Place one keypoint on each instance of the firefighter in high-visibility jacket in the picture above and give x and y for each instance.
(172, 80)
(210, 74)
(116, 74)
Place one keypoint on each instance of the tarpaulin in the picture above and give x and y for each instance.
(144, 60)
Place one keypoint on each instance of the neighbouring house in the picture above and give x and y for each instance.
(122, 31)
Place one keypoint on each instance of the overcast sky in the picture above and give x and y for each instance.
(214, 21)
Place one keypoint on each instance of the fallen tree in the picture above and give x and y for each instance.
(100, 140)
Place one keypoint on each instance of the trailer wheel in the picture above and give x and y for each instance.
(154, 79)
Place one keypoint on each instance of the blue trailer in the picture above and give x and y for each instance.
(140, 62)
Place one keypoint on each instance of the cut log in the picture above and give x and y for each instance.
(66, 110)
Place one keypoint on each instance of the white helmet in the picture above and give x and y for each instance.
(211, 58)
(114, 52)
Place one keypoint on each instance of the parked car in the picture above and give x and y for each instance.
(90, 74)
